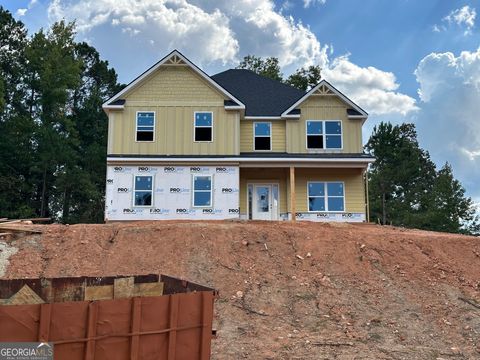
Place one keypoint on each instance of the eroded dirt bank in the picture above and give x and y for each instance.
(292, 291)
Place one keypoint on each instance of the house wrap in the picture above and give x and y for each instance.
(186, 145)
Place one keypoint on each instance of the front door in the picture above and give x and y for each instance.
(262, 202)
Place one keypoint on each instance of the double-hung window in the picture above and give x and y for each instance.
(262, 132)
(326, 196)
(203, 125)
(325, 134)
(202, 190)
(143, 190)
(145, 128)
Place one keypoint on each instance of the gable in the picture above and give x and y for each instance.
(183, 80)
(325, 90)
(174, 84)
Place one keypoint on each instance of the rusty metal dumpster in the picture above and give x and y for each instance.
(122, 317)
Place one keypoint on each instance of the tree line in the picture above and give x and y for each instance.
(52, 127)
(53, 136)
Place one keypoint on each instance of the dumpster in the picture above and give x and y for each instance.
(116, 317)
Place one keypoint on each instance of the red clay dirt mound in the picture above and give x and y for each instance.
(291, 291)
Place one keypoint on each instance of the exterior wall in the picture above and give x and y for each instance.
(259, 175)
(172, 192)
(354, 193)
(323, 108)
(174, 93)
(279, 143)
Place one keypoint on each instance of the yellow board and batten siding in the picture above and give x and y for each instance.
(174, 93)
(352, 178)
(326, 107)
(279, 143)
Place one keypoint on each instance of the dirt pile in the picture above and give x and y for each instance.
(292, 291)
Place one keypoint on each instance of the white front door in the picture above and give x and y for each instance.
(262, 202)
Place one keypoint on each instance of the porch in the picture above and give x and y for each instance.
(317, 194)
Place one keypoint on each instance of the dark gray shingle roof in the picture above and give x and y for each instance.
(262, 96)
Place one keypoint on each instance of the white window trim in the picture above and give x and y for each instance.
(326, 196)
(254, 136)
(211, 191)
(135, 189)
(324, 135)
(154, 126)
(195, 126)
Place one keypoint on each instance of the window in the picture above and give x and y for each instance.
(324, 134)
(143, 190)
(203, 126)
(263, 135)
(145, 126)
(326, 196)
(314, 134)
(202, 191)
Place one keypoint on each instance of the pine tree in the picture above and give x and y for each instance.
(405, 188)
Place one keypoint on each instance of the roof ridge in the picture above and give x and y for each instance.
(277, 82)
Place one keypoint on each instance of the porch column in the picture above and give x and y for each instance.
(293, 208)
(367, 202)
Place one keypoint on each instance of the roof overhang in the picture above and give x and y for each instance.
(350, 162)
(363, 114)
(177, 55)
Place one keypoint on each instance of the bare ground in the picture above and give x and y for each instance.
(291, 291)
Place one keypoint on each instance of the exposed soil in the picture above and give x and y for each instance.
(292, 291)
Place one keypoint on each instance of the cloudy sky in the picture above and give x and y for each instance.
(404, 60)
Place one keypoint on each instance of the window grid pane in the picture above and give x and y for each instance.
(333, 127)
(314, 127)
(262, 129)
(203, 120)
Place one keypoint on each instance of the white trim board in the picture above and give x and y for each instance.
(262, 161)
(152, 69)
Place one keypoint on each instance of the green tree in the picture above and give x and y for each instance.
(268, 67)
(53, 72)
(401, 175)
(406, 189)
(451, 210)
(16, 127)
(305, 78)
(81, 184)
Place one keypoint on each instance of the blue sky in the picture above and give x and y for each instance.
(404, 60)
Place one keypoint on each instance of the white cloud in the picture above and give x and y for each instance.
(448, 123)
(224, 31)
(171, 24)
(373, 89)
(207, 31)
(463, 17)
(308, 3)
(23, 11)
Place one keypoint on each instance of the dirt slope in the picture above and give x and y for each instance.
(292, 291)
